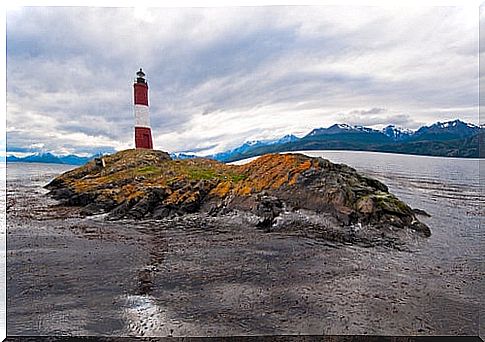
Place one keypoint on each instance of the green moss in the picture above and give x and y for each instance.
(390, 203)
(387, 202)
(198, 174)
(236, 177)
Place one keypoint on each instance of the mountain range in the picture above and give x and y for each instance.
(51, 159)
(451, 139)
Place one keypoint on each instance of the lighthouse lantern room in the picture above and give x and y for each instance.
(143, 132)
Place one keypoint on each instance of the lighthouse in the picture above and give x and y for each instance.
(143, 132)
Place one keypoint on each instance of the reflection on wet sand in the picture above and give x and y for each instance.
(143, 317)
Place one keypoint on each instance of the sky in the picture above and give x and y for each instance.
(221, 76)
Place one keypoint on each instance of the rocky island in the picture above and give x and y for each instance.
(275, 192)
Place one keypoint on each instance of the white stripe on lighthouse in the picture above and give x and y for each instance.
(142, 118)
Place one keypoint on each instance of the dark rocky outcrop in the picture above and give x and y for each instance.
(147, 183)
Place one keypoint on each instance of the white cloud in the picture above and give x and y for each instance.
(219, 76)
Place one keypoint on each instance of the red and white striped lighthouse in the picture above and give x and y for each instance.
(143, 132)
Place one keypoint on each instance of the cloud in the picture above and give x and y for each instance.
(363, 112)
(378, 117)
(219, 76)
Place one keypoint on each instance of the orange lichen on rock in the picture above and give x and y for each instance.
(178, 197)
(129, 192)
(222, 189)
(272, 171)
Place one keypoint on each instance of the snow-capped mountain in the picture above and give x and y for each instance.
(449, 130)
(250, 145)
(181, 155)
(397, 133)
(341, 128)
(284, 140)
(51, 159)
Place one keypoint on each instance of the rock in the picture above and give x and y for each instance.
(92, 209)
(365, 206)
(161, 212)
(374, 183)
(159, 193)
(119, 211)
(56, 184)
(145, 205)
(138, 210)
(421, 228)
(81, 199)
(268, 208)
(60, 193)
(147, 183)
(421, 212)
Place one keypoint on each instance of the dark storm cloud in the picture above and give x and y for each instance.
(220, 76)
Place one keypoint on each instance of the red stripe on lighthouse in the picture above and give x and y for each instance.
(143, 137)
(141, 93)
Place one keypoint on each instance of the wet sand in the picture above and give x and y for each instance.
(199, 276)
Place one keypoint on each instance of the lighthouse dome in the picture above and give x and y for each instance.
(140, 73)
(140, 76)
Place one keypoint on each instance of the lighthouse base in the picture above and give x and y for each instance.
(143, 137)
